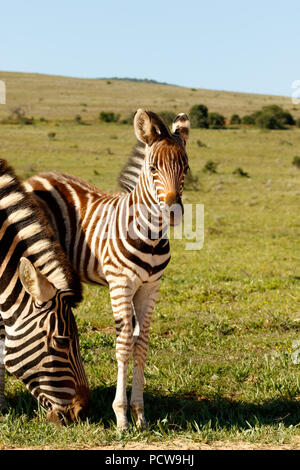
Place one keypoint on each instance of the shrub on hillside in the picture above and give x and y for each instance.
(200, 143)
(235, 119)
(248, 120)
(284, 117)
(210, 167)
(167, 116)
(216, 121)
(78, 119)
(109, 116)
(240, 172)
(296, 161)
(51, 135)
(265, 120)
(270, 117)
(198, 116)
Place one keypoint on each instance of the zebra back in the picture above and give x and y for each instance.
(22, 219)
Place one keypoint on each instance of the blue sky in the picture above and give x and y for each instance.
(224, 45)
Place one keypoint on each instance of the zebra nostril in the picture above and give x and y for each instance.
(173, 199)
(174, 208)
(62, 418)
(57, 417)
(81, 414)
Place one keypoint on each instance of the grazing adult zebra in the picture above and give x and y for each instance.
(120, 239)
(38, 288)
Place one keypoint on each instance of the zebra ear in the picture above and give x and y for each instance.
(149, 127)
(181, 126)
(34, 282)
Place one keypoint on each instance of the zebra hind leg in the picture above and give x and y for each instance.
(144, 301)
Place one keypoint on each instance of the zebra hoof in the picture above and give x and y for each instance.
(142, 424)
(123, 428)
(120, 412)
(139, 417)
(123, 425)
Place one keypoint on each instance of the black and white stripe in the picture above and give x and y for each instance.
(130, 174)
(120, 240)
(38, 287)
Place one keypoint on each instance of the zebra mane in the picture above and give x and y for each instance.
(20, 211)
(130, 174)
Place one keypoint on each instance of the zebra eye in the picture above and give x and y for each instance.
(62, 341)
(152, 169)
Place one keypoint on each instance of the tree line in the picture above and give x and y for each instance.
(268, 117)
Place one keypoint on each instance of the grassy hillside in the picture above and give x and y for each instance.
(62, 98)
(220, 366)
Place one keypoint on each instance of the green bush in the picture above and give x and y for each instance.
(26, 120)
(51, 135)
(240, 172)
(296, 161)
(198, 116)
(167, 116)
(109, 117)
(248, 120)
(284, 117)
(235, 119)
(270, 117)
(210, 167)
(216, 121)
(267, 120)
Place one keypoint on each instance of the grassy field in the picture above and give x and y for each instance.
(219, 370)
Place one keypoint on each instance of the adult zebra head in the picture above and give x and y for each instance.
(54, 374)
(38, 289)
(165, 160)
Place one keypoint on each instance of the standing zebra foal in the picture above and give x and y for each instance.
(38, 287)
(120, 239)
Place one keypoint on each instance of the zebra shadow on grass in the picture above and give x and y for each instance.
(183, 413)
(177, 413)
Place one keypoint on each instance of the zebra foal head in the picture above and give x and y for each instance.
(166, 161)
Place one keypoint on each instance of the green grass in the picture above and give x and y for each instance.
(219, 365)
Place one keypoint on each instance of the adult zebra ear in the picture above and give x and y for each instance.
(149, 127)
(181, 126)
(34, 282)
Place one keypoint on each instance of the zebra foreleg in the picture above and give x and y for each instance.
(144, 301)
(123, 321)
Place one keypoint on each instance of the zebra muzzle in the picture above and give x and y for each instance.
(173, 208)
(76, 411)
